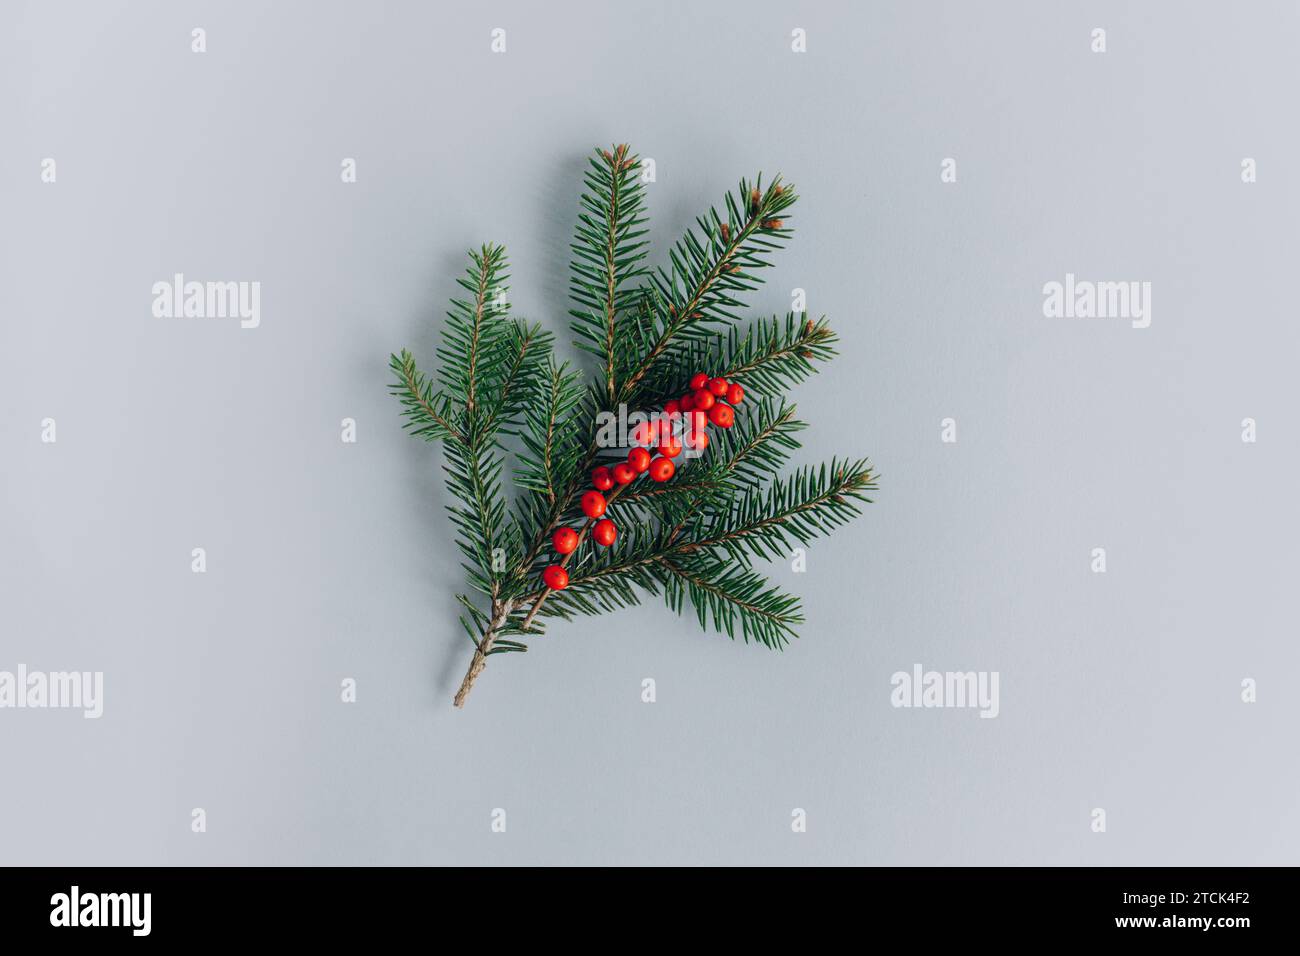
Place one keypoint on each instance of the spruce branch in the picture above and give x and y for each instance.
(707, 270)
(726, 595)
(607, 249)
(691, 537)
(550, 434)
(428, 414)
(768, 358)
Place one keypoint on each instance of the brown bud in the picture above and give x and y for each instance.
(777, 190)
(807, 327)
(608, 158)
(806, 354)
(732, 267)
(772, 224)
(755, 199)
(726, 232)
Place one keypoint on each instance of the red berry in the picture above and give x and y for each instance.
(643, 435)
(735, 394)
(638, 460)
(698, 381)
(661, 469)
(673, 406)
(624, 473)
(556, 578)
(703, 400)
(696, 441)
(697, 421)
(593, 504)
(603, 532)
(670, 447)
(601, 479)
(565, 540)
(722, 416)
(718, 386)
(686, 402)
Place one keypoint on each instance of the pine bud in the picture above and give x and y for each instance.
(726, 232)
(772, 224)
(755, 199)
(806, 354)
(777, 190)
(808, 327)
(608, 158)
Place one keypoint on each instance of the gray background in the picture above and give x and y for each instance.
(328, 560)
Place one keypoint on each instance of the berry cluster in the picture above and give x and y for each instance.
(709, 401)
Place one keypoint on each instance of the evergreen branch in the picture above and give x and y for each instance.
(471, 352)
(690, 539)
(758, 444)
(550, 434)
(608, 245)
(770, 357)
(708, 270)
(428, 414)
(474, 479)
(810, 502)
(721, 595)
(645, 494)
(727, 595)
(764, 522)
(527, 349)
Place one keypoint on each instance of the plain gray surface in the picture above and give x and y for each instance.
(327, 560)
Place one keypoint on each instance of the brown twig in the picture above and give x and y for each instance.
(500, 613)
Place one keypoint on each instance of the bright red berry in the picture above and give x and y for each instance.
(624, 473)
(698, 381)
(735, 394)
(638, 460)
(555, 577)
(593, 504)
(703, 400)
(643, 435)
(670, 447)
(603, 532)
(686, 402)
(673, 406)
(661, 469)
(722, 416)
(601, 479)
(565, 540)
(718, 386)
